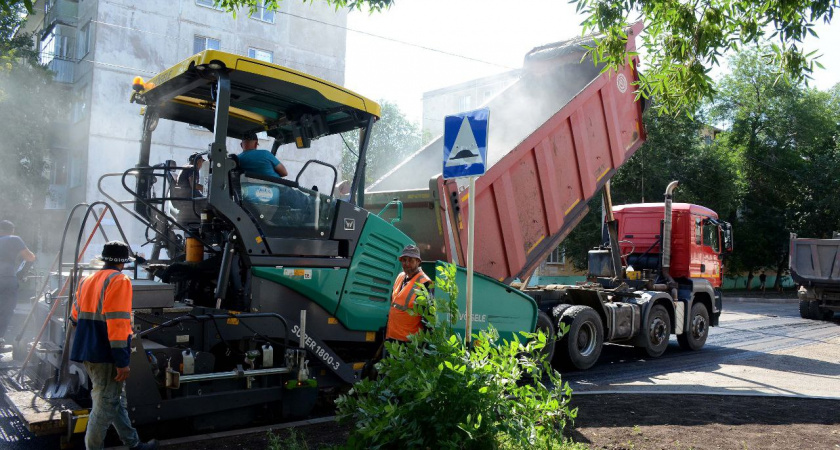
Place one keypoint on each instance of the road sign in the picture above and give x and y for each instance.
(465, 144)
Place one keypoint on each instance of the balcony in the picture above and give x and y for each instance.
(63, 69)
(63, 12)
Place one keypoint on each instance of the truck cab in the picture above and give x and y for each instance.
(699, 240)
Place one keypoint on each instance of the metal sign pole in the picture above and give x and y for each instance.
(470, 248)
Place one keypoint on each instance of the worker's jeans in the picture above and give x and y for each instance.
(8, 301)
(109, 407)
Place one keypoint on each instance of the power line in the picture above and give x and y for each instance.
(410, 44)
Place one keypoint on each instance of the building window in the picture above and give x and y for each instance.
(78, 111)
(465, 103)
(263, 13)
(557, 256)
(84, 40)
(201, 43)
(78, 105)
(209, 4)
(262, 55)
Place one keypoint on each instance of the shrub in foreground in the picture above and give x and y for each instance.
(437, 392)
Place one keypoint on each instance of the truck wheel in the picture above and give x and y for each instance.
(815, 312)
(657, 332)
(694, 338)
(544, 324)
(580, 348)
(805, 309)
(820, 313)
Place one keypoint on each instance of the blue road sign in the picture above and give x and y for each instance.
(465, 144)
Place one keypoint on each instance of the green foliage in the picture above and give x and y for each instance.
(437, 392)
(234, 5)
(252, 6)
(291, 442)
(30, 104)
(684, 40)
(674, 150)
(784, 138)
(394, 138)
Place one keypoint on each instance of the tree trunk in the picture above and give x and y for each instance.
(780, 268)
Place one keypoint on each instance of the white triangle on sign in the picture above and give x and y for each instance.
(465, 149)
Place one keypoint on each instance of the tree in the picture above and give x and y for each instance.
(233, 5)
(674, 150)
(684, 40)
(30, 103)
(784, 138)
(394, 138)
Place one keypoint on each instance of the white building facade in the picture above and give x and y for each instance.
(97, 47)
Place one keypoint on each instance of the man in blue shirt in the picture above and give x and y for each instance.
(256, 161)
(12, 251)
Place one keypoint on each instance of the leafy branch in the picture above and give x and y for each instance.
(684, 40)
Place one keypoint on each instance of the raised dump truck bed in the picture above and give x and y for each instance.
(556, 136)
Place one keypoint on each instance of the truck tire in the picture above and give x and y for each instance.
(818, 313)
(694, 337)
(805, 309)
(657, 332)
(580, 348)
(545, 325)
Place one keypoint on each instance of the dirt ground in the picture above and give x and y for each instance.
(634, 421)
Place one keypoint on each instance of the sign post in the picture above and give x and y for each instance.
(465, 155)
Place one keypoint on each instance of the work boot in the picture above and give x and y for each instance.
(151, 445)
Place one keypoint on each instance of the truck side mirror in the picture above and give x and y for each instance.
(726, 231)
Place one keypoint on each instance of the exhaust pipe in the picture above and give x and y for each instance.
(666, 239)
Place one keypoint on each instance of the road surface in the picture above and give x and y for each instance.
(759, 348)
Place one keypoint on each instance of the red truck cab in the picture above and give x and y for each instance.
(698, 239)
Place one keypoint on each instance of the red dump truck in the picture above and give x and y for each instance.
(558, 134)
(815, 266)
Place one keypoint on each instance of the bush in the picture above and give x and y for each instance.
(436, 392)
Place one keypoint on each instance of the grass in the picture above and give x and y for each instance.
(292, 441)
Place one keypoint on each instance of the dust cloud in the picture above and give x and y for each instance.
(552, 75)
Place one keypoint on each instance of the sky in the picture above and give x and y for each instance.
(422, 45)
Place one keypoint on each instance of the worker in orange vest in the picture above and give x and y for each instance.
(102, 313)
(402, 322)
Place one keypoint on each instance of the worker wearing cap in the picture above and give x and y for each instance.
(402, 321)
(257, 161)
(188, 178)
(12, 251)
(102, 313)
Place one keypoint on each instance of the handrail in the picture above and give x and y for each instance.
(214, 317)
(399, 215)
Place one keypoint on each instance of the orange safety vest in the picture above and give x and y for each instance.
(102, 312)
(401, 321)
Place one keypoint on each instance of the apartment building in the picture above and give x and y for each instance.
(96, 48)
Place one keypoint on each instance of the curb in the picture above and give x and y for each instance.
(224, 434)
(792, 301)
(714, 393)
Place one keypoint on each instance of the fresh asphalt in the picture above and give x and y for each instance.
(762, 347)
